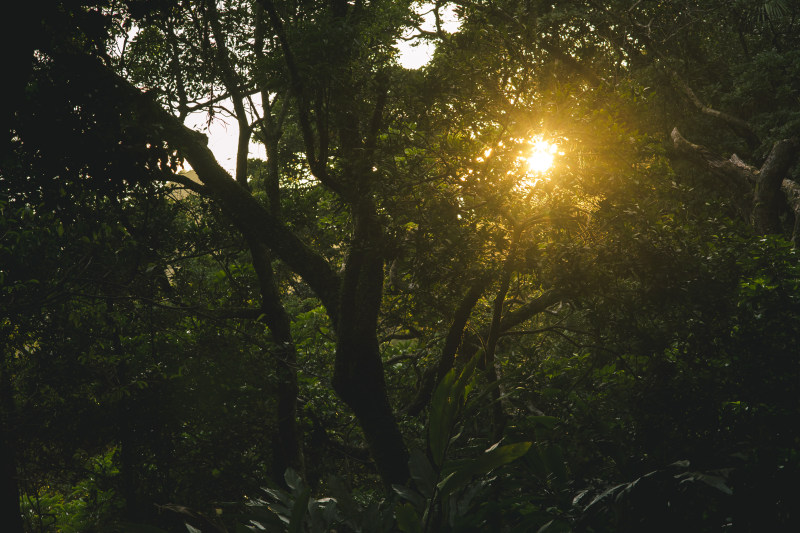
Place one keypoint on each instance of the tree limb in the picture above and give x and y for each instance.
(316, 163)
(761, 192)
(565, 58)
(739, 126)
(718, 165)
(248, 215)
(229, 79)
(434, 375)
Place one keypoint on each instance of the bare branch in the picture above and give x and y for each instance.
(739, 126)
(731, 170)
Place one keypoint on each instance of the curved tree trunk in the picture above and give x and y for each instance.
(358, 371)
(769, 200)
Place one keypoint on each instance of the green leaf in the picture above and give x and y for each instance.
(293, 479)
(553, 459)
(407, 519)
(555, 526)
(548, 422)
(495, 457)
(448, 401)
(299, 512)
(129, 527)
(440, 416)
(411, 496)
(422, 473)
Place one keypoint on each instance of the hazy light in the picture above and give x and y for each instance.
(542, 156)
(414, 55)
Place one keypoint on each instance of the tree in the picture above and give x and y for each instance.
(401, 203)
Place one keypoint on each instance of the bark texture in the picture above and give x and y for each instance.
(352, 303)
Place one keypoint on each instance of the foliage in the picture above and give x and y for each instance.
(443, 497)
(426, 330)
(90, 505)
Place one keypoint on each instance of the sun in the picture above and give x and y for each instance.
(541, 156)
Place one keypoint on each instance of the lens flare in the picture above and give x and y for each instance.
(541, 157)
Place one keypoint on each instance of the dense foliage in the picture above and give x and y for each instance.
(397, 321)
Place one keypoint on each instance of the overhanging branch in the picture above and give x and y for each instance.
(739, 126)
(250, 217)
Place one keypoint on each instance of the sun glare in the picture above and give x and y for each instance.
(541, 157)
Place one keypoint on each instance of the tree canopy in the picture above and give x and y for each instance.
(546, 282)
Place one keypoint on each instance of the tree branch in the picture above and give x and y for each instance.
(739, 126)
(434, 375)
(568, 60)
(228, 76)
(316, 163)
(733, 174)
(250, 217)
(759, 190)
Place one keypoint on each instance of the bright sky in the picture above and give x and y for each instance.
(417, 53)
(223, 136)
(223, 131)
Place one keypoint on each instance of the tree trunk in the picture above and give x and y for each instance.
(434, 375)
(492, 372)
(286, 444)
(769, 201)
(359, 382)
(358, 372)
(767, 193)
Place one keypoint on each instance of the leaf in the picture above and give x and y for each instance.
(715, 481)
(407, 519)
(129, 527)
(482, 465)
(448, 401)
(553, 458)
(293, 479)
(422, 473)
(329, 509)
(344, 499)
(548, 422)
(267, 513)
(439, 423)
(555, 526)
(603, 495)
(411, 496)
(299, 512)
(279, 495)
